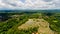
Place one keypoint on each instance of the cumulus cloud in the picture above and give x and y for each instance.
(29, 4)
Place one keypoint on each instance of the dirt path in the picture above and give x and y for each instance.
(41, 23)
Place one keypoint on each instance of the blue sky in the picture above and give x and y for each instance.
(22, 1)
(29, 4)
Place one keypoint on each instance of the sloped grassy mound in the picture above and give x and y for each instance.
(41, 24)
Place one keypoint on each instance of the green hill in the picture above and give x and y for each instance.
(16, 21)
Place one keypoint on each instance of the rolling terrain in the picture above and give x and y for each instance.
(43, 26)
(30, 23)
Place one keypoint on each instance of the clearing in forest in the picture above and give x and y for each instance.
(41, 23)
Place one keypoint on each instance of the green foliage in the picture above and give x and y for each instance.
(6, 26)
(10, 26)
(29, 31)
(54, 21)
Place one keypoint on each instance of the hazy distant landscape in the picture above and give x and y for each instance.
(18, 11)
(29, 21)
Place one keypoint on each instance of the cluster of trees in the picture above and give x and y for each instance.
(10, 26)
(10, 23)
(16, 31)
(53, 20)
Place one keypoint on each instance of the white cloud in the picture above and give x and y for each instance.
(30, 4)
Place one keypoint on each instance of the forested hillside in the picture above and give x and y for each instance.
(10, 23)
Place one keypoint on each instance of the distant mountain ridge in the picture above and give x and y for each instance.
(18, 11)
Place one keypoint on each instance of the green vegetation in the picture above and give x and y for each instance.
(5, 26)
(54, 21)
(10, 26)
